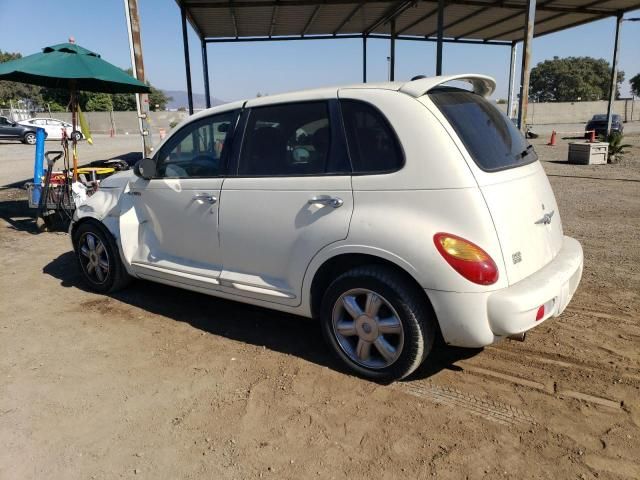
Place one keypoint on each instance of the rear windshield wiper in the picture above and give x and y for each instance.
(525, 152)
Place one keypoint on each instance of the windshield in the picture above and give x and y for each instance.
(603, 118)
(492, 140)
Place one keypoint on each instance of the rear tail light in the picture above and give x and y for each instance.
(468, 259)
(540, 313)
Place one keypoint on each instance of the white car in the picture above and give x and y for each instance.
(53, 128)
(392, 212)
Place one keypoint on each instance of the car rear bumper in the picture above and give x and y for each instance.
(601, 130)
(513, 309)
(480, 319)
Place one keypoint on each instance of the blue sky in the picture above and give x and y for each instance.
(241, 70)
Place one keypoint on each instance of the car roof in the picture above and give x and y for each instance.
(481, 84)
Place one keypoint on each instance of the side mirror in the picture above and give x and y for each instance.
(145, 168)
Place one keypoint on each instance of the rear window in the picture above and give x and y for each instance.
(492, 140)
(603, 118)
(373, 145)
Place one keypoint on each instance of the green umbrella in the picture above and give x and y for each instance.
(71, 67)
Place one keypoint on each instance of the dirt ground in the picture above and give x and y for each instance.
(156, 382)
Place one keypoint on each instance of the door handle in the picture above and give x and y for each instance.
(205, 197)
(334, 202)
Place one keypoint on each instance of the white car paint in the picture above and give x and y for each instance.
(52, 126)
(261, 243)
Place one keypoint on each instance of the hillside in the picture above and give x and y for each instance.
(180, 100)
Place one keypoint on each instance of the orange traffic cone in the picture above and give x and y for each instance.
(592, 136)
(552, 142)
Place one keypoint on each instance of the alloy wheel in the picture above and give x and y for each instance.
(94, 258)
(367, 328)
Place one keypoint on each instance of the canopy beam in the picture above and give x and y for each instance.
(506, 5)
(364, 59)
(187, 63)
(348, 18)
(379, 36)
(392, 53)
(205, 74)
(391, 14)
(440, 37)
(512, 79)
(525, 72)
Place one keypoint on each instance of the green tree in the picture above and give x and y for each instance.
(635, 85)
(124, 102)
(571, 79)
(158, 99)
(99, 102)
(127, 101)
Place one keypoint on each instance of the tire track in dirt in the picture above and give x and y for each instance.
(488, 409)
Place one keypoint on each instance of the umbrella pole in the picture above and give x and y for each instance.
(74, 113)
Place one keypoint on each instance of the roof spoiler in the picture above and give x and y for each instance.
(482, 85)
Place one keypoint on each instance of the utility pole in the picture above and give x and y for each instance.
(135, 48)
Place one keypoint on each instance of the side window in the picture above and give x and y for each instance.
(287, 140)
(373, 145)
(196, 150)
(39, 122)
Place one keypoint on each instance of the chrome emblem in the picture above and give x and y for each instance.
(546, 218)
(516, 257)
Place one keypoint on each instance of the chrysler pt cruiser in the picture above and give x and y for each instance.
(391, 212)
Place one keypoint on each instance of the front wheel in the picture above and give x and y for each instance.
(76, 136)
(29, 138)
(99, 259)
(377, 322)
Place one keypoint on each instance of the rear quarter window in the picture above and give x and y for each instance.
(373, 145)
(492, 139)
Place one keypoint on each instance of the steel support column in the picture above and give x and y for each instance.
(512, 79)
(392, 55)
(364, 59)
(205, 74)
(187, 63)
(614, 74)
(440, 37)
(526, 66)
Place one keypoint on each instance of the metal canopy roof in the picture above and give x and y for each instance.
(480, 20)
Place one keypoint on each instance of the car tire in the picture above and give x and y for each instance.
(377, 322)
(29, 138)
(99, 259)
(76, 136)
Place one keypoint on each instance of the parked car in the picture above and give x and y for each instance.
(13, 130)
(599, 124)
(392, 212)
(54, 128)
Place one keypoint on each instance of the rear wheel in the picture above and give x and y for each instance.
(77, 136)
(99, 259)
(377, 322)
(29, 138)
